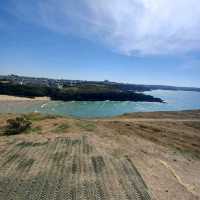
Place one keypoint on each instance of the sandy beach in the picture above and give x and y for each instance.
(14, 98)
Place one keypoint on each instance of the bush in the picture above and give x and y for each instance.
(17, 125)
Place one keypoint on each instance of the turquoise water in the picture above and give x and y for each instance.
(175, 100)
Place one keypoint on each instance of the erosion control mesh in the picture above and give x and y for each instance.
(67, 169)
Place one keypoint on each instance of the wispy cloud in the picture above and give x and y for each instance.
(143, 27)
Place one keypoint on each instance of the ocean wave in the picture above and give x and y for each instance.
(43, 105)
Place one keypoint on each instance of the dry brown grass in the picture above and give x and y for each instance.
(164, 149)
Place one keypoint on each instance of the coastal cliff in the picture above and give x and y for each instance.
(75, 93)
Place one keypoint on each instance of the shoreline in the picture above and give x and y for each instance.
(14, 104)
(15, 98)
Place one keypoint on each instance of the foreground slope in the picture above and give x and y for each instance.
(135, 156)
(67, 168)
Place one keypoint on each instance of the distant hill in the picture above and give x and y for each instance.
(68, 90)
(74, 93)
(60, 83)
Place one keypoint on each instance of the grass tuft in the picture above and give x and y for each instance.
(61, 128)
(38, 116)
(87, 126)
(37, 129)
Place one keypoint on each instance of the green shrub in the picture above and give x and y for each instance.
(17, 125)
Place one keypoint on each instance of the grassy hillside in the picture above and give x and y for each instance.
(138, 156)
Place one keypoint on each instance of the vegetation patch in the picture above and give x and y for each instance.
(61, 128)
(38, 116)
(195, 125)
(30, 144)
(37, 129)
(149, 127)
(25, 144)
(17, 125)
(87, 126)
(187, 153)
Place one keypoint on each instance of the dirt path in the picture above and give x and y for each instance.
(148, 120)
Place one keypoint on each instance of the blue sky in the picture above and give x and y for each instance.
(146, 41)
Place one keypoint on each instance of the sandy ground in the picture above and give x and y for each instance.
(164, 146)
(14, 98)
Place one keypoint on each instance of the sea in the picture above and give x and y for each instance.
(174, 101)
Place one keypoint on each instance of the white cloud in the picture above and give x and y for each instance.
(141, 27)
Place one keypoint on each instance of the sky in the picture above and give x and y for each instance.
(130, 41)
